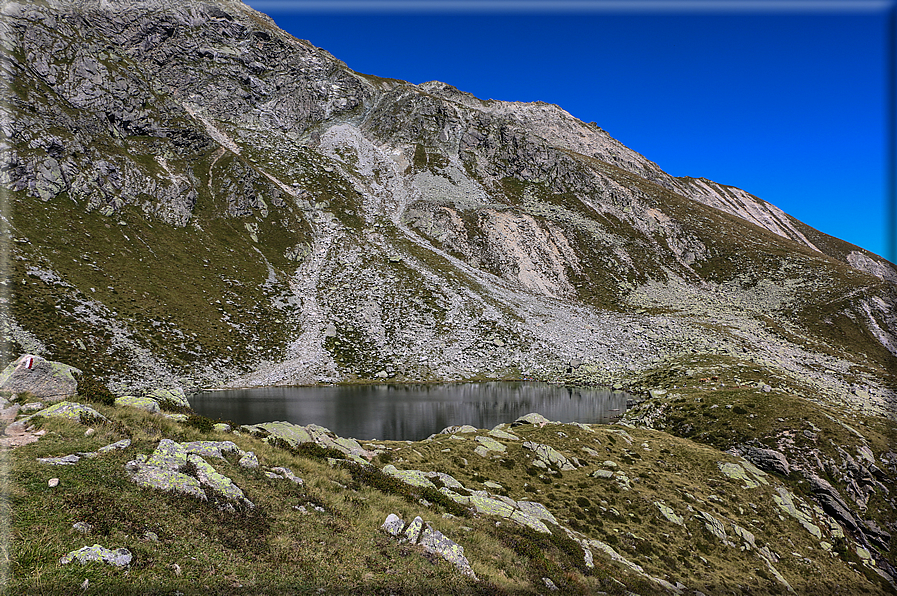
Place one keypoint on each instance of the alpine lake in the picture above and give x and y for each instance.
(410, 412)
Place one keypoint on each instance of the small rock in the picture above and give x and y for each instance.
(249, 460)
(120, 557)
(550, 584)
(151, 536)
(89, 432)
(53, 482)
(82, 527)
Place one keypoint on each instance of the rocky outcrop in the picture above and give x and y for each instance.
(178, 467)
(433, 541)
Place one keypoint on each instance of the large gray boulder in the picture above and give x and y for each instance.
(44, 379)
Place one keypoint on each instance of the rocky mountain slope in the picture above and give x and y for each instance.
(195, 198)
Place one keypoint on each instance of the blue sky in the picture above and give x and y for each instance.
(787, 99)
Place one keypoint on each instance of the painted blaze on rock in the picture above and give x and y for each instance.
(41, 378)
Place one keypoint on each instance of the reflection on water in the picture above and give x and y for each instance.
(409, 412)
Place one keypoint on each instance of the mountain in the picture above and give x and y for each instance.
(194, 198)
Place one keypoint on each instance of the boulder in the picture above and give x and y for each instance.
(549, 455)
(171, 397)
(168, 480)
(533, 418)
(70, 411)
(120, 557)
(142, 403)
(41, 378)
(219, 483)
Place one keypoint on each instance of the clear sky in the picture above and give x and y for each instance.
(787, 99)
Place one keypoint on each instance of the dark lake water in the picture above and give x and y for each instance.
(410, 412)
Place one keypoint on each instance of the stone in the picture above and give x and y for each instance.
(445, 479)
(117, 446)
(529, 521)
(82, 527)
(657, 393)
(119, 558)
(219, 483)
(249, 460)
(490, 506)
(172, 396)
(491, 444)
(433, 541)
(151, 536)
(393, 525)
(463, 428)
(832, 502)
(549, 455)
(69, 411)
(168, 455)
(785, 500)
(41, 378)
(288, 474)
(769, 460)
(143, 403)
(550, 584)
(536, 510)
(606, 474)
(412, 532)
(412, 477)
(67, 460)
(53, 482)
(222, 427)
(713, 525)
(532, 418)
(217, 449)
(736, 472)
(669, 514)
(501, 434)
(168, 480)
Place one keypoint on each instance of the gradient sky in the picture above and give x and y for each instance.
(785, 99)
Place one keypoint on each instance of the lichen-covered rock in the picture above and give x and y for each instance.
(529, 521)
(549, 455)
(533, 418)
(117, 446)
(490, 505)
(216, 449)
(219, 483)
(168, 480)
(168, 455)
(669, 514)
(249, 460)
(433, 541)
(462, 428)
(173, 396)
(69, 411)
(766, 459)
(412, 477)
(445, 479)
(393, 525)
(785, 500)
(536, 510)
(120, 557)
(491, 444)
(736, 472)
(143, 403)
(41, 378)
(412, 532)
(502, 434)
(221, 427)
(66, 460)
(601, 473)
(287, 474)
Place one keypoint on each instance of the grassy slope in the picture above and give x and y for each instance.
(277, 549)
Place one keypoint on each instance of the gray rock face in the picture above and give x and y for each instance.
(766, 459)
(52, 381)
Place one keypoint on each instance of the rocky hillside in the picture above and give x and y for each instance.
(198, 197)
